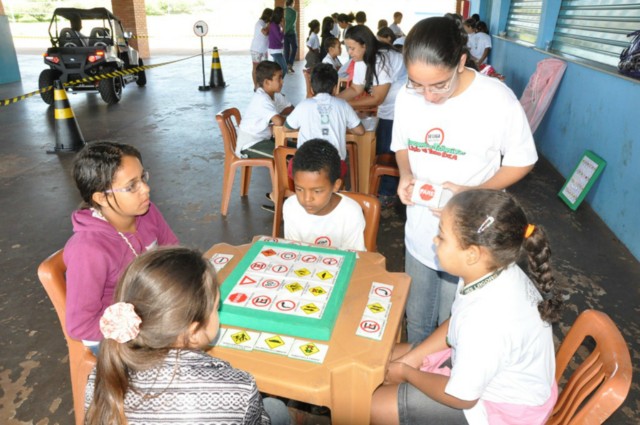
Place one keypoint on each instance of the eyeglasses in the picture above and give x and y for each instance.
(417, 88)
(133, 187)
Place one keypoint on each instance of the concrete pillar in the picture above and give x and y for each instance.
(9, 70)
(134, 19)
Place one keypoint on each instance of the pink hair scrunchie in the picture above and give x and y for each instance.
(120, 322)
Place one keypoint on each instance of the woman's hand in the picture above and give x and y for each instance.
(405, 188)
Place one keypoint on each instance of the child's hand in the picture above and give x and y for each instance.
(455, 188)
(405, 188)
(436, 211)
(396, 373)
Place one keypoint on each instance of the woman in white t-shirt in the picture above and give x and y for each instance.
(380, 73)
(259, 44)
(454, 129)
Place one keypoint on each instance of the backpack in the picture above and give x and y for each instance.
(630, 57)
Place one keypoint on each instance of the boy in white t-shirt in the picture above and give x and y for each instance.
(268, 106)
(397, 18)
(324, 115)
(317, 214)
(334, 49)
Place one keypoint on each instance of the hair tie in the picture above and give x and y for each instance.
(486, 224)
(529, 230)
(120, 322)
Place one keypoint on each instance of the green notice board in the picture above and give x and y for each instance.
(287, 289)
(581, 179)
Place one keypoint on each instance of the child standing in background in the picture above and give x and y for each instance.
(481, 44)
(317, 214)
(115, 223)
(260, 43)
(290, 35)
(325, 33)
(313, 44)
(395, 27)
(151, 366)
(499, 337)
(276, 39)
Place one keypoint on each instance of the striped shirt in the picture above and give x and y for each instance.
(190, 387)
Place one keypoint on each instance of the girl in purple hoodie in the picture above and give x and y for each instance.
(276, 39)
(115, 223)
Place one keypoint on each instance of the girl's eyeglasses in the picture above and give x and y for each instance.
(417, 88)
(133, 187)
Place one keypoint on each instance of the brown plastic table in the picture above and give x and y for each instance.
(354, 366)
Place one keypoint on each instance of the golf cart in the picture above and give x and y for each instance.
(77, 58)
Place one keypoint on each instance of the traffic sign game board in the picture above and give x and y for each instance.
(287, 289)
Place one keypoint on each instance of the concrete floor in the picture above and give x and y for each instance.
(173, 125)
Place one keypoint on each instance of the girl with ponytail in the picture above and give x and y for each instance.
(151, 365)
(498, 340)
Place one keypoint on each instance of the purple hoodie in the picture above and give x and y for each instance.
(95, 256)
(276, 36)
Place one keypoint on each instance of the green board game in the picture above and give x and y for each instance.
(287, 289)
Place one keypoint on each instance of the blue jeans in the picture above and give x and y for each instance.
(290, 48)
(279, 59)
(423, 304)
(277, 411)
(388, 184)
(415, 407)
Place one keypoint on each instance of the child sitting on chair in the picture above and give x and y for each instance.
(152, 365)
(334, 49)
(317, 214)
(268, 105)
(324, 115)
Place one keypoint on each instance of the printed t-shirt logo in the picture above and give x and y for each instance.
(323, 241)
(433, 145)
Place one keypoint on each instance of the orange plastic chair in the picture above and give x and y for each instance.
(283, 187)
(81, 360)
(600, 384)
(232, 162)
(385, 165)
(371, 208)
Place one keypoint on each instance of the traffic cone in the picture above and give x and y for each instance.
(216, 80)
(68, 135)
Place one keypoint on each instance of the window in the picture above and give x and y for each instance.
(523, 20)
(596, 29)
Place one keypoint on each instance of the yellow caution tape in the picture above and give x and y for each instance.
(6, 102)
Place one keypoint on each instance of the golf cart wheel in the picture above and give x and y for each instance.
(142, 76)
(47, 77)
(111, 90)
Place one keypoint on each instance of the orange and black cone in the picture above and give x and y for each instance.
(68, 135)
(216, 80)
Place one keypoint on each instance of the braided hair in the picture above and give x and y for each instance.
(506, 236)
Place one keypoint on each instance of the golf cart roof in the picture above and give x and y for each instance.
(95, 13)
